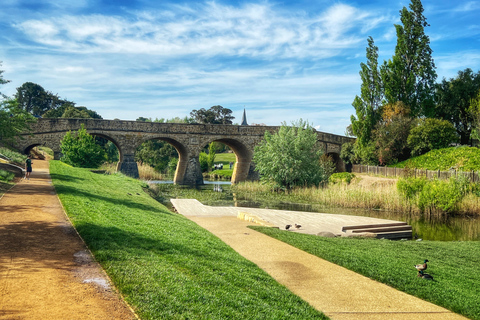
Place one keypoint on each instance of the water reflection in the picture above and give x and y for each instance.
(424, 227)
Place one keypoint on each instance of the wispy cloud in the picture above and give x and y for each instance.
(255, 30)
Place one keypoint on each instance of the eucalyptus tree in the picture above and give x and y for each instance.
(410, 75)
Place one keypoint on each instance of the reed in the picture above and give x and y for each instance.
(145, 172)
(371, 194)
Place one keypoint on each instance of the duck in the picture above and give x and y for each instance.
(422, 267)
(297, 226)
(288, 226)
(424, 275)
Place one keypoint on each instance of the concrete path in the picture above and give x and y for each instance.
(311, 222)
(339, 293)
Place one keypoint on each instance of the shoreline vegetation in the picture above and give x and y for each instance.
(374, 193)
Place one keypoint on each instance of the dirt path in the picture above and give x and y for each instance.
(45, 270)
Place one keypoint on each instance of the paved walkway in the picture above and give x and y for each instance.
(46, 272)
(339, 293)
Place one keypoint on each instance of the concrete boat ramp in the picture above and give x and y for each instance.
(310, 222)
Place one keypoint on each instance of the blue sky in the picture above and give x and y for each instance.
(281, 60)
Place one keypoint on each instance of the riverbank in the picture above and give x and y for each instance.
(365, 192)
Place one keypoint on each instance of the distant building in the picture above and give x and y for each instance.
(244, 118)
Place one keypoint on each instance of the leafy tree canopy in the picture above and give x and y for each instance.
(13, 120)
(430, 134)
(2, 81)
(214, 115)
(453, 99)
(391, 134)
(290, 157)
(80, 150)
(410, 75)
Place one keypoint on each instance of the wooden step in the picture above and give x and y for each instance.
(366, 226)
(384, 229)
(395, 235)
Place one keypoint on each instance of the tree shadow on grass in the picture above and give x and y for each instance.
(129, 201)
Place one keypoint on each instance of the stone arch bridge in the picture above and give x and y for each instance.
(188, 140)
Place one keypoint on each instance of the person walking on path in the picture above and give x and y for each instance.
(28, 167)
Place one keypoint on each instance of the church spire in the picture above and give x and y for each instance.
(244, 118)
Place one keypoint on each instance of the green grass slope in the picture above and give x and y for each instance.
(453, 265)
(166, 266)
(459, 158)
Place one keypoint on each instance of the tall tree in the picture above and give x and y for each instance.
(214, 115)
(368, 104)
(410, 75)
(392, 132)
(13, 120)
(453, 101)
(2, 81)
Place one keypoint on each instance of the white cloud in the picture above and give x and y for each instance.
(254, 30)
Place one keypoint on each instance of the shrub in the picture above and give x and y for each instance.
(432, 195)
(340, 177)
(14, 156)
(431, 134)
(290, 157)
(6, 175)
(81, 150)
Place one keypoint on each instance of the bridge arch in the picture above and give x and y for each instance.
(183, 156)
(244, 168)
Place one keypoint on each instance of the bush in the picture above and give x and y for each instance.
(6, 175)
(431, 195)
(14, 156)
(290, 157)
(81, 150)
(340, 177)
(431, 134)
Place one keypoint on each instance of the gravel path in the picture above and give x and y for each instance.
(46, 272)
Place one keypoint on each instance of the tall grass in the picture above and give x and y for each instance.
(381, 195)
(145, 172)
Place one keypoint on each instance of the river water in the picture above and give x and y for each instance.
(424, 227)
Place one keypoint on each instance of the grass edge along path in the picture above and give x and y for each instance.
(454, 265)
(166, 266)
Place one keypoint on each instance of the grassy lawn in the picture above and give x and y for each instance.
(455, 266)
(166, 266)
(460, 158)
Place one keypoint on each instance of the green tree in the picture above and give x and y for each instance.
(69, 110)
(474, 111)
(156, 153)
(214, 115)
(453, 99)
(80, 150)
(391, 134)
(72, 112)
(430, 134)
(410, 75)
(13, 120)
(2, 81)
(368, 104)
(290, 157)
